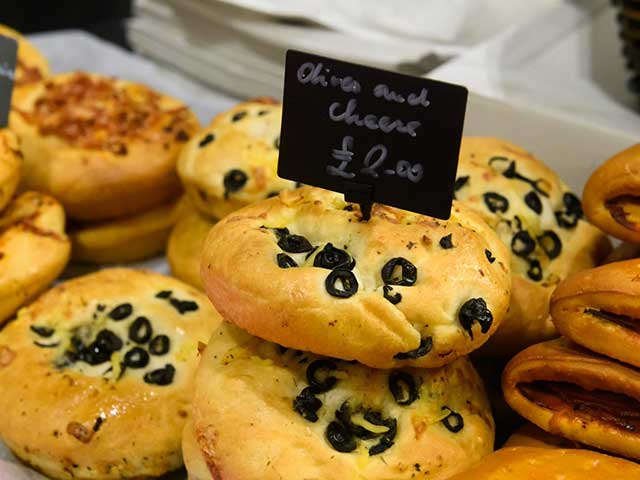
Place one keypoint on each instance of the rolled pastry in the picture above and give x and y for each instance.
(574, 393)
(599, 309)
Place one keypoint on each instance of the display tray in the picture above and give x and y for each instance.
(571, 149)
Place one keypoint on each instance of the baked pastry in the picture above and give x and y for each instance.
(599, 309)
(402, 289)
(10, 162)
(185, 246)
(530, 435)
(33, 249)
(539, 219)
(530, 463)
(126, 239)
(31, 66)
(194, 461)
(105, 148)
(612, 195)
(233, 162)
(263, 411)
(97, 375)
(569, 391)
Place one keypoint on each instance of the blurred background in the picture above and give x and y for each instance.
(579, 59)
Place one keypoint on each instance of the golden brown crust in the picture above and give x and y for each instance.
(599, 309)
(63, 411)
(126, 239)
(33, 249)
(10, 163)
(446, 295)
(104, 147)
(530, 435)
(245, 394)
(612, 195)
(539, 219)
(194, 461)
(31, 66)
(530, 463)
(561, 361)
(233, 161)
(185, 246)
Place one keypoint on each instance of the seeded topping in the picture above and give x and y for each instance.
(395, 298)
(446, 242)
(454, 421)
(159, 345)
(522, 244)
(307, 405)
(550, 243)
(533, 202)
(489, 256)
(136, 358)
(317, 384)
(161, 376)
(140, 330)
(42, 331)
(238, 116)
(475, 310)
(343, 277)
(399, 271)
(535, 270)
(285, 261)
(403, 388)
(209, 137)
(294, 243)
(121, 311)
(495, 202)
(340, 438)
(426, 344)
(233, 181)
(331, 257)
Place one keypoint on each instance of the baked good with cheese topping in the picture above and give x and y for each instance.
(539, 219)
(97, 375)
(263, 411)
(402, 289)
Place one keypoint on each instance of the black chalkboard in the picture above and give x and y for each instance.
(8, 58)
(375, 136)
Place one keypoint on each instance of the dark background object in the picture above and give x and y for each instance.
(629, 28)
(102, 18)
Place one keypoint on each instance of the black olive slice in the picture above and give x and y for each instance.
(262, 112)
(532, 199)
(566, 220)
(403, 388)
(42, 331)
(331, 257)
(272, 194)
(183, 306)
(121, 311)
(426, 344)
(285, 261)
(99, 351)
(454, 421)
(408, 272)
(395, 298)
(496, 202)
(535, 270)
(572, 204)
(140, 330)
(346, 278)
(159, 345)
(317, 384)
(522, 244)
(306, 404)
(208, 138)
(460, 182)
(446, 242)
(164, 294)
(387, 439)
(291, 243)
(489, 256)
(238, 116)
(475, 310)
(161, 376)
(108, 341)
(550, 243)
(340, 438)
(344, 416)
(136, 358)
(233, 181)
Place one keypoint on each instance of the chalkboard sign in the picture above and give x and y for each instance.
(8, 58)
(375, 136)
